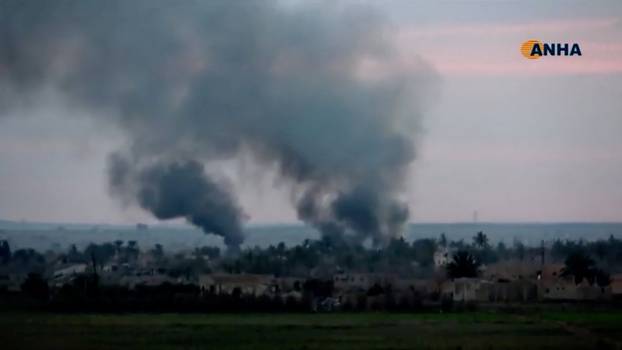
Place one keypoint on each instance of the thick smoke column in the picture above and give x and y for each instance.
(301, 87)
(180, 189)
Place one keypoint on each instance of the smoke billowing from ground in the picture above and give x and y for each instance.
(304, 88)
(180, 189)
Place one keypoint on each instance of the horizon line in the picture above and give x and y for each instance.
(299, 223)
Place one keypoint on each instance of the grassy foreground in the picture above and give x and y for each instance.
(477, 330)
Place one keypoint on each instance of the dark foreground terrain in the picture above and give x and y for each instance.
(476, 330)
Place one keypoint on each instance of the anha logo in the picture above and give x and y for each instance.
(534, 49)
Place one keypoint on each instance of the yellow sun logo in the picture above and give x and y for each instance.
(527, 47)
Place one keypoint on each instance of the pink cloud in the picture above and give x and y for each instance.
(542, 67)
(482, 31)
(493, 48)
(512, 154)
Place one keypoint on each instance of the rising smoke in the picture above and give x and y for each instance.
(300, 86)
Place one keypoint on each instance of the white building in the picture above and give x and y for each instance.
(67, 273)
(442, 257)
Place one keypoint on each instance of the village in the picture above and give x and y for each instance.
(316, 276)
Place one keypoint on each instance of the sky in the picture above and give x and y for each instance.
(516, 140)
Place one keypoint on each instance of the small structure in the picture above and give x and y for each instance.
(328, 304)
(553, 286)
(511, 270)
(110, 268)
(361, 281)
(11, 282)
(469, 290)
(520, 290)
(564, 289)
(550, 272)
(247, 284)
(420, 286)
(68, 273)
(441, 257)
(616, 286)
(145, 280)
(289, 284)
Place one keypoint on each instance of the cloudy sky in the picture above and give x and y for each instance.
(515, 139)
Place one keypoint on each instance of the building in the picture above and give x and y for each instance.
(422, 288)
(361, 281)
(154, 280)
(442, 257)
(511, 270)
(468, 290)
(289, 284)
(10, 282)
(616, 286)
(67, 273)
(481, 290)
(565, 289)
(553, 286)
(520, 290)
(246, 284)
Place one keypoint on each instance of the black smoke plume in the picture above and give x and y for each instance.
(180, 189)
(302, 87)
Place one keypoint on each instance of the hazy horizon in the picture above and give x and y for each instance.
(183, 224)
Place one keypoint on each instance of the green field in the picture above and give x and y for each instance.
(476, 330)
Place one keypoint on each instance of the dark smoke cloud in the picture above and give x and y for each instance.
(196, 81)
(180, 189)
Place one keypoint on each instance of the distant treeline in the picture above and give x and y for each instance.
(313, 261)
(398, 256)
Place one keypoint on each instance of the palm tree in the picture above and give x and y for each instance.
(118, 244)
(5, 252)
(480, 240)
(442, 241)
(158, 251)
(519, 249)
(463, 264)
